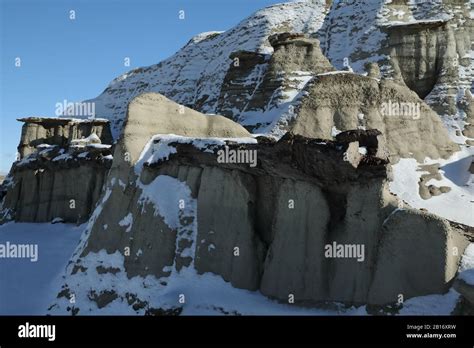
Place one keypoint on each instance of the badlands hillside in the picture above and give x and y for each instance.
(317, 158)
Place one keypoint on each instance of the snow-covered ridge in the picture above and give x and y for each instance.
(194, 75)
(160, 147)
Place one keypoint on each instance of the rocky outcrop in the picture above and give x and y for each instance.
(345, 101)
(296, 58)
(61, 172)
(300, 85)
(59, 131)
(245, 74)
(425, 45)
(296, 51)
(194, 76)
(305, 221)
(152, 112)
(50, 185)
(48, 194)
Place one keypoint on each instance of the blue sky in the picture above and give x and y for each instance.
(76, 59)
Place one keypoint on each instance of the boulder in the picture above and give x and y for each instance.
(406, 264)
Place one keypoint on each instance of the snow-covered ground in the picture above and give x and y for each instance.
(26, 287)
(29, 288)
(457, 204)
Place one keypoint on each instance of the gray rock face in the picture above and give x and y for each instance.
(227, 241)
(408, 239)
(42, 189)
(295, 262)
(292, 52)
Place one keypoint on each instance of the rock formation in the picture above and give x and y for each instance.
(59, 131)
(256, 72)
(344, 101)
(55, 155)
(323, 192)
(201, 65)
(425, 45)
(312, 217)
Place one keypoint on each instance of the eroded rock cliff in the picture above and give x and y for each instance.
(62, 167)
(171, 209)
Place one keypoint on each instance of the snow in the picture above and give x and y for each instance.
(127, 221)
(467, 276)
(92, 140)
(281, 108)
(395, 24)
(431, 304)
(205, 294)
(335, 131)
(99, 146)
(159, 147)
(63, 157)
(202, 63)
(467, 260)
(466, 266)
(204, 36)
(456, 205)
(27, 288)
(27, 159)
(44, 146)
(165, 193)
(351, 34)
